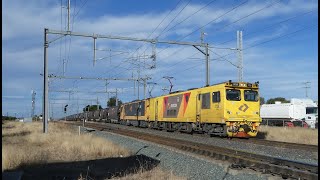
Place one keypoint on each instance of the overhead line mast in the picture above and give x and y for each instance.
(95, 36)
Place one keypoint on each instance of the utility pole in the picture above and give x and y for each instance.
(201, 36)
(138, 77)
(68, 15)
(94, 50)
(145, 85)
(240, 60)
(116, 97)
(307, 86)
(51, 111)
(134, 86)
(207, 57)
(98, 103)
(45, 83)
(207, 65)
(65, 112)
(33, 102)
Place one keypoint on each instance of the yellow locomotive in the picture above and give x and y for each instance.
(226, 109)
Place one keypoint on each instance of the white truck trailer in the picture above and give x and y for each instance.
(295, 111)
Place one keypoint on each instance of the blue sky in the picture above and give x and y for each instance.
(280, 42)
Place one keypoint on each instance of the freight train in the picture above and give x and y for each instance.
(228, 109)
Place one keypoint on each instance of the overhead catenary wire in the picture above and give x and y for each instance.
(253, 45)
(131, 54)
(246, 16)
(201, 27)
(161, 33)
(223, 14)
(272, 25)
(260, 43)
(200, 9)
(158, 26)
(230, 10)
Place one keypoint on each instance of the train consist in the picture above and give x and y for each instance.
(229, 109)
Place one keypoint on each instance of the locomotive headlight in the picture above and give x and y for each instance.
(256, 112)
(229, 112)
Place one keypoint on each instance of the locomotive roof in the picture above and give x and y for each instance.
(228, 83)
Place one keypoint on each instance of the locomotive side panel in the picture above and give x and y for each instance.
(210, 105)
(134, 111)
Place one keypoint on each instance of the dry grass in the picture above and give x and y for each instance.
(25, 144)
(154, 174)
(293, 134)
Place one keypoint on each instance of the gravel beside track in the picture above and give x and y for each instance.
(285, 153)
(183, 164)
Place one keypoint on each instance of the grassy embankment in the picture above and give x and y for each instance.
(24, 144)
(292, 135)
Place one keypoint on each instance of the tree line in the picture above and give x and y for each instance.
(273, 100)
(111, 102)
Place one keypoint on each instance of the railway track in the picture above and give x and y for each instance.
(263, 142)
(278, 144)
(238, 159)
(306, 147)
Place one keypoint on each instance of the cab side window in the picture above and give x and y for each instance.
(216, 96)
(205, 101)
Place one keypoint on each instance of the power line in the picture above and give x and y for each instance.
(285, 35)
(150, 34)
(265, 28)
(223, 57)
(168, 23)
(200, 9)
(173, 19)
(159, 24)
(75, 14)
(307, 86)
(232, 9)
(235, 7)
(279, 37)
(248, 15)
(191, 15)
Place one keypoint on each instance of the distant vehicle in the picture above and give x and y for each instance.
(299, 112)
(25, 120)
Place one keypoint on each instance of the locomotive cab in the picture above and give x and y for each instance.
(242, 106)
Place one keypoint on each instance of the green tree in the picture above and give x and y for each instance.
(262, 101)
(112, 102)
(91, 108)
(281, 99)
(10, 118)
